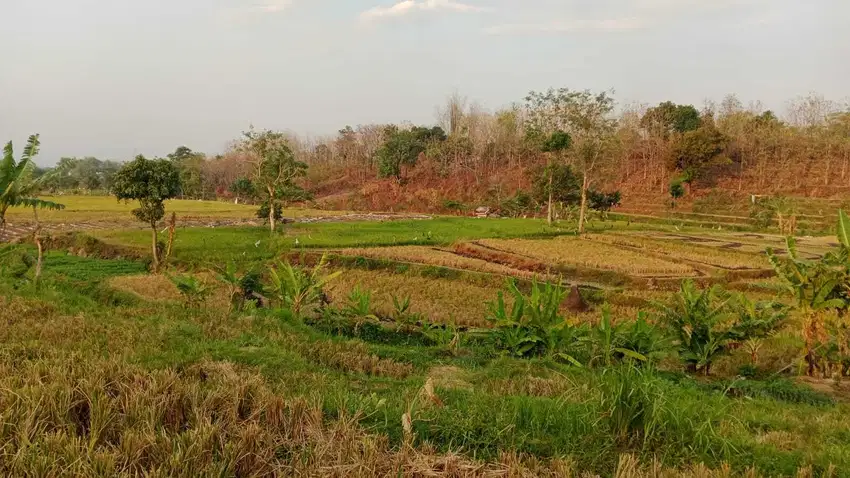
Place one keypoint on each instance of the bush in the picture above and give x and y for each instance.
(534, 326)
(193, 290)
(298, 290)
(705, 323)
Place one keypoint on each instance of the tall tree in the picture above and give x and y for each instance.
(275, 169)
(697, 151)
(18, 186)
(190, 164)
(151, 183)
(668, 118)
(586, 116)
(403, 147)
(556, 145)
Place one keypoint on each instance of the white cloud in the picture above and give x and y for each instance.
(406, 7)
(271, 6)
(244, 12)
(616, 24)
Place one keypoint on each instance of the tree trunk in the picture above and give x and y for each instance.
(271, 210)
(550, 196)
(155, 261)
(37, 239)
(583, 210)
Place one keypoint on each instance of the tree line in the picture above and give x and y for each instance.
(474, 156)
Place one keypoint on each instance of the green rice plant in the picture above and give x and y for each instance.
(299, 290)
(193, 290)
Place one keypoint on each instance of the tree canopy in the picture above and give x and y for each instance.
(403, 147)
(668, 118)
(151, 182)
(275, 169)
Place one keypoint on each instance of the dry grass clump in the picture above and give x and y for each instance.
(437, 257)
(714, 256)
(573, 251)
(157, 288)
(440, 300)
(69, 417)
(352, 357)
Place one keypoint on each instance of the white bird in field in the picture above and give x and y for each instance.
(296, 241)
(257, 244)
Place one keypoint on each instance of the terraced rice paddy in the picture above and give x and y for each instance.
(723, 257)
(577, 252)
(437, 257)
(442, 300)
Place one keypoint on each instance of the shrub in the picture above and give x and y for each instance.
(707, 322)
(298, 290)
(193, 290)
(534, 324)
(701, 322)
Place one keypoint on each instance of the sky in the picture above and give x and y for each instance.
(115, 78)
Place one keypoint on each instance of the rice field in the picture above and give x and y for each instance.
(437, 257)
(113, 374)
(726, 258)
(578, 252)
(441, 300)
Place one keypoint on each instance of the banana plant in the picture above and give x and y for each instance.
(607, 342)
(18, 186)
(815, 285)
(701, 322)
(533, 325)
(298, 290)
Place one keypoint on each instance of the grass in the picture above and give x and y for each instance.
(107, 209)
(251, 244)
(572, 251)
(103, 378)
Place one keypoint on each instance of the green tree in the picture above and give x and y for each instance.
(18, 186)
(151, 183)
(695, 152)
(403, 147)
(276, 170)
(668, 118)
(190, 164)
(556, 145)
(242, 188)
(586, 116)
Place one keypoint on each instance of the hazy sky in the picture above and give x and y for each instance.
(111, 78)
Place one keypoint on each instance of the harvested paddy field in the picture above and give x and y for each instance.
(578, 252)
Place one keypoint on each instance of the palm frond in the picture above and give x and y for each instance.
(31, 149)
(37, 203)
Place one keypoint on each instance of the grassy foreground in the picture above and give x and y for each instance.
(99, 382)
